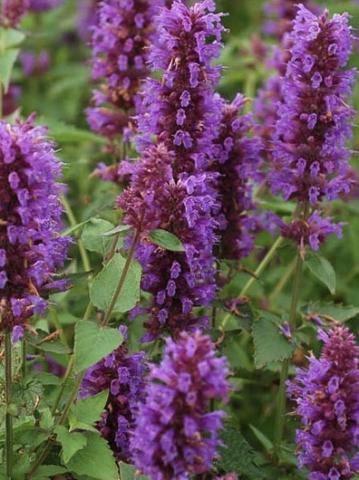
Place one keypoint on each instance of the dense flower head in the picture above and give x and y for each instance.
(326, 394)
(12, 11)
(176, 435)
(120, 41)
(31, 247)
(174, 187)
(310, 159)
(43, 5)
(122, 374)
(237, 162)
(281, 13)
(86, 17)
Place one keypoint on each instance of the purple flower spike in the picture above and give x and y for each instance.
(326, 394)
(31, 247)
(174, 185)
(238, 162)
(123, 374)
(310, 159)
(44, 5)
(120, 40)
(175, 435)
(12, 11)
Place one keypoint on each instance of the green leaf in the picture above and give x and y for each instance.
(166, 240)
(93, 235)
(92, 343)
(71, 442)
(270, 345)
(267, 444)
(74, 228)
(339, 312)
(106, 282)
(95, 459)
(88, 411)
(9, 37)
(129, 472)
(46, 471)
(322, 269)
(118, 229)
(7, 61)
(237, 455)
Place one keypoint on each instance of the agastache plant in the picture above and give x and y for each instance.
(310, 159)
(326, 395)
(31, 247)
(176, 434)
(182, 111)
(12, 12)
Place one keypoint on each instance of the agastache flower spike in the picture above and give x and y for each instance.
(12, 12)
(238, 162)
(176, 436)
(326, 394)
(310, 159)
(44, 5)
(122, 374)
(174, 187)
(31, 247)
(120, 42)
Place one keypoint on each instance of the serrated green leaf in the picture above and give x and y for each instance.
(95, 459)
(46, 471)
(7, 61)
(166, 240)
(92, 343)
(322, 269)
(71, 442)
(93, 235)
(129, 472)
(339, 312)
(104, 286)
(88, 411)
(270, 345)
(237, 455)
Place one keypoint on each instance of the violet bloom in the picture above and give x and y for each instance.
(176, 435)
(120, 41)
(31, 247)
(310, 159)
(12, 12)
(327, 394)
(44, 5)
(34, 64)
(86, 17)
(238, 162)
(123, 374)
(174, 187)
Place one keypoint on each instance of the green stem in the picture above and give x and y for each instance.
(122, 279)
(73, 222)
(258, 272)
(23, 357)
(8, 416)
(65, 379)
(281, 400)
(282, 283)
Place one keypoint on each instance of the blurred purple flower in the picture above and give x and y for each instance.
(327, 394)
(12, 11)
(35, 64)
(176, 435)
(43, 5)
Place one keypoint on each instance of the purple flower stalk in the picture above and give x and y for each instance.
(12, 11)
(123, 374)
(238, 161)
(310, 159)
(175, 435)
(44, 5)
(86, 17)
(35, 64)
(120, 42)
(31, 247)
(327, 395)
(173, 187)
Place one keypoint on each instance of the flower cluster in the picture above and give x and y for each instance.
(35, 63)
(31, 247)
(120, 42)
(86, 17)
(238, 161)
(12, 11)
(327, 394)
(310, 160)
(123, 375)
(184, 113)
(175, 435)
